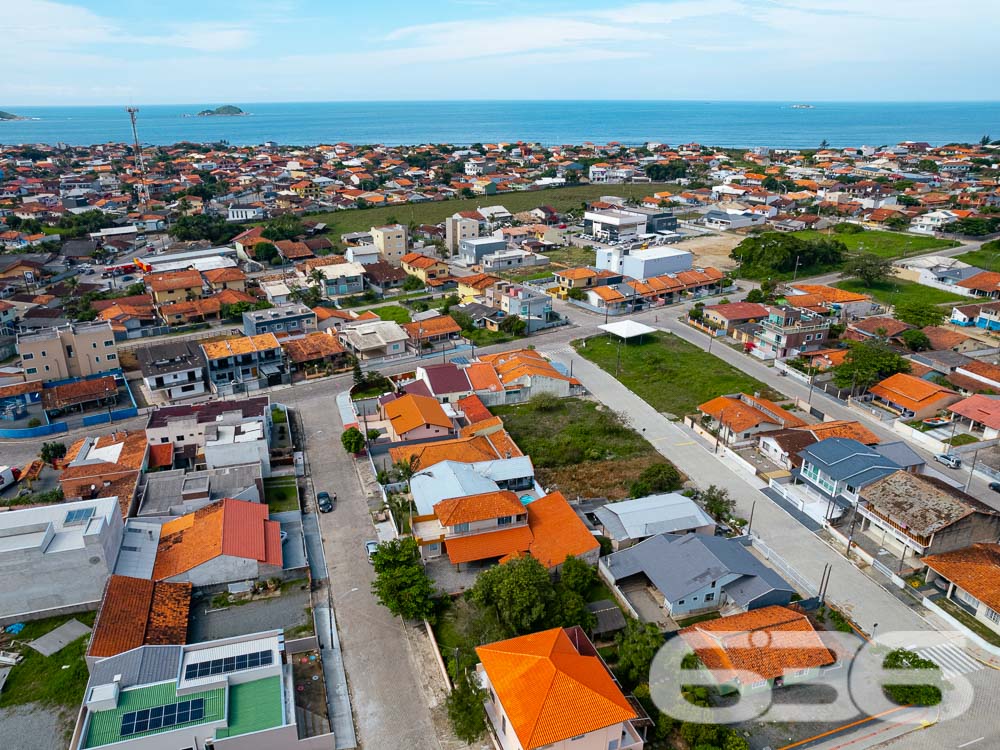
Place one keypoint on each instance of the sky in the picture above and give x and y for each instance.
(90, 52)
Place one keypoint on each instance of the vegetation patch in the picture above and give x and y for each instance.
(658, 369)
(281, 493)
(395, 313)
(899, 291)
(884, 244)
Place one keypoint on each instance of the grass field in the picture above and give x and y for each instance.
(395, 313)
(899, 290)
(572, 256)
(885, 244)
(670, 374)
(579, 447)
(561, 199)
(281, 494)
(42, 679)
(985, 258)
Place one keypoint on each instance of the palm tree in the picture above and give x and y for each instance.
(317, 278)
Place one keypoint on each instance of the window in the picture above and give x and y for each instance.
(27, 355)
(613, 745)
(112, 356)
(31, 370)
(93, 344)
(681, 601)
(109, 343)
(46, 368)
(710, 597)
(461, 528)
(992, 615)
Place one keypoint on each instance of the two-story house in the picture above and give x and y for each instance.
(220, 279)
(534, 308)
(173, 370)
(789, 331)
(843, 467)
(739, 417)
(424, 267)
(245, 363)
(374, 339)
(292, 319)
(341, 278)
(174, 286)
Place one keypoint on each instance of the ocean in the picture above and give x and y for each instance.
(735, 124)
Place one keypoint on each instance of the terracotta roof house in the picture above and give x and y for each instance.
(446, 381)
(981, 413)
(106, 466)
(869, 328)
(911, 397)
(734, 313)
(985, 284)
(916, 514)
(741, 416)
(844, 429)
(945, 338)
(778, 645)
(174, 286)
(423, 333)
(557, 532)
(549, 688)
(139, 612)
(413, 417)
(231, 540)
(783, 446)
(471, 449)
(474, 409)
(526, 370)
(972, 578)
(314, 350)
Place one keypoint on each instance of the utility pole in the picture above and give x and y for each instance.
(139, 163)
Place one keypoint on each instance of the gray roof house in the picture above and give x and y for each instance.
(631, 521)
(693, 573)
(841, 467)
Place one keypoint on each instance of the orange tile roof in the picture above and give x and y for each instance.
(910, 392)
(557, 532)
(488, 426)
(136, 612)
(440, 325)
(240, 345)
(608, 294)
(417, 260)
(482, 377)
(974, 569)
(574, 274)
(549, 691)
(411, 411)
(986, 370)
(166, 281)
(79, 392)
(219, 275)
(463, 450)
(831, 293)
(843, 429)
(743, 642)
(986, 281)
(482, 507)
(312, 346)
(489, 545)
(479, 282)
(738, 416)
(473, 408)
(229, 527)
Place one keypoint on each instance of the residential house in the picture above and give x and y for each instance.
(227, 541)
(391, 241)
(424, 267)
(980, 413)
(226, 694)
(430, 332)
(471, 251)
(106, 466)
(459, 228)
(782, 447)
(319, 351)
(173, 370)
(282, 320)
(911, 397)
(374, 339)
(976, 376)
(739, 417)
(970, 577)
(980, 315)
(879, 327)
(525, 372)
(383, 276)
(474, 287)
(841, 467)
(731, 314)
(916, 515)
(364, 254)
(176, 492)
(982, 284)
(789, 331)
(844, 304)
(767, 647)
(220, 279)
(57, 557)
(174, 286)
(245, 363)
(75, 350)
(237, 444)
(552, 690)
(843, 429)
(582, 278)
(184, 426)
(342, 278)
(138, 612)
(631, 521)
(534, 308)
(643, 263)
(447, 382)
(412, 417)
(692, 573)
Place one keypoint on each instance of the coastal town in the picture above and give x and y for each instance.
(365, 446)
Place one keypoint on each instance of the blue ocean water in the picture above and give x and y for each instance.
(549, 122)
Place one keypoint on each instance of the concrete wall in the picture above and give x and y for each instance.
(222, 569)
(974, 528)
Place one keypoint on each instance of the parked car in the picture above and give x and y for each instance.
(324, 502)
(995, 486)
(9, 475)
(371, 547)
(948, 459)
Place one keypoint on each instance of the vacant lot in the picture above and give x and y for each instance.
(579, 447)
(899, 290)
(572, 256)
(670, 374)
(986, 257)
(281, 493)
(561, 199)
(712, 250)
(395, 313)
(885, 244)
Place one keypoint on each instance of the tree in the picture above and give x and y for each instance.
(824, 144)
(866, 364)
(717, 502)
(265, 252)
(910, 695)
(576, 293)
(846, 227)
(317, 279)
(984, 141)
(669, 172)
(755, 295)
(916, 340)
(412, 283)
(927, 165)
(521, 593)
(637, 645)
(871, 269)
(284, 227)
(577, 576)
(353, 440)
(897, 222)
(919, 314)
(52, 452)
(358, 373)
(213, 228)
(513, 325)
(771, 253)
(465, 708)
(572, 610)
(656, 478)
(401, 585)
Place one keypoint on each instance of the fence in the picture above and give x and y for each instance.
(779, 562)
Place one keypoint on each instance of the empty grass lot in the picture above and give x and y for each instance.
(670, 374)
(395, 313)
(579, 447)
(433, 212)
(884, 244)
(42, 679)
(899, 290)
(986, 257)
(281, 493)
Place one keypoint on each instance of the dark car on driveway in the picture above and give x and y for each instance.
(995, 486)
(324, 502)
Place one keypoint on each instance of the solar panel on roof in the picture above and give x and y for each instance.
(162, 717)
(228, 664)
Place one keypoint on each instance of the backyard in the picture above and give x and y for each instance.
(658, 369)
(281, 493)
(579, 447)
(395, 313)
(897, 291)
(433, 212)
(884, 244)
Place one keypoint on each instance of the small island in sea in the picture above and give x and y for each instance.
(227, 110)
(10, 116)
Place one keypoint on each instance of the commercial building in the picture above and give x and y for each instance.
(75, 350)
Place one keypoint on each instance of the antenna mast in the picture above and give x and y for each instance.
(140, 164)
